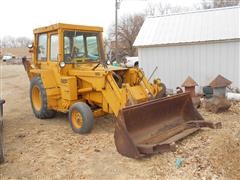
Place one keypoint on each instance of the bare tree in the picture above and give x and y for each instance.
(150, 10)
(23, 41)
(8, 42)
(225, 3)
(128, 28)
(207, 4)
(12, 42)
(160, 9)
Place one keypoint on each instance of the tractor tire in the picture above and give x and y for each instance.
(81, 118)
(38, 97)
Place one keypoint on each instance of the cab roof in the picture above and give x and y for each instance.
(57, 26)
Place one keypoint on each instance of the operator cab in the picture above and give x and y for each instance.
(68, 43)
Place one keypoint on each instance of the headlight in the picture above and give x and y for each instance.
(62, 64)
(30, 46)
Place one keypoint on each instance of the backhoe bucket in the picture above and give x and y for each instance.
(153, 127)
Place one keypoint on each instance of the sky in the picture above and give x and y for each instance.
(20, 17)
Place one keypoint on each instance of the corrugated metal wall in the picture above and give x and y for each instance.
(203, 62)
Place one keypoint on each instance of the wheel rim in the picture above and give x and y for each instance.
(77, 119)
(36, 98)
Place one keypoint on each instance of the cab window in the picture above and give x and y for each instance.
(53, 47)
(81, 47)
(66, 45)
(42, 47)
(92, 47)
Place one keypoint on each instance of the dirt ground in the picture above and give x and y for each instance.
(48, 149)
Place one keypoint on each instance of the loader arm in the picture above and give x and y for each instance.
(114, 96)
(133, 88)
(128, 94)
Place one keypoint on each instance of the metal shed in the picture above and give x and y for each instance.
(201, 44)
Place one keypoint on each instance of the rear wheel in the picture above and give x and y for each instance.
(81, 118)
(38, 99)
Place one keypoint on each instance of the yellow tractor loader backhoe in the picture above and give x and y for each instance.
(68, 74)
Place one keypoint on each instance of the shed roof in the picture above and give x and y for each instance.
(220, 81)
(189, 82)
(199, 26)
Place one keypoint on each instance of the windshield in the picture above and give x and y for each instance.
(80, 47)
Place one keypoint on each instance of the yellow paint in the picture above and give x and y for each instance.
(36, 98)
(69, 87)
(62, 26)
(137, 93)
(98, 113)
(77, 120)
(82, 83)
(84, 90)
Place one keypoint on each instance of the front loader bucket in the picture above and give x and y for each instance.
(153, 127)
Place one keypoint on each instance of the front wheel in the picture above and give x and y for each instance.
(81, 118)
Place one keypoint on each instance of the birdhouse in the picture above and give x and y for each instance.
(219, 85)
(189, 85)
